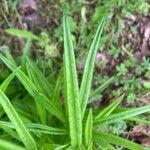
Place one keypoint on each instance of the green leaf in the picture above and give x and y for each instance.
(89, 129)
(140, 120)
(9, 56)
(26, 53)
(99, 13)
(42, 112)
(3, 87)
(17, 122)
(7, 81)
(109, 109)
(6, 145)
(39, 79)
(109, 138)
(10, 131)
(146, 85)
(122, 115)
(57, 89)
(100, 89)
(62, 147)
(31, 88)
(42, 85)
(72, 89)
(90, 147)
(89, 67)
(22, 33)
(37, 128)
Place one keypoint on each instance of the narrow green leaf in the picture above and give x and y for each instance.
(7, 81)
(6, 145)
(26, 53)
(109, 109)
(10, 131)
(42, 112)
(72, 89)
(89, 67)
(22, 33)
(90, 147)
(39, 79)
(122, 115)
(17, 122)
(31, 88)
(89, 129)
(56, 92)
(9, 56)
(140, 120)
(62, 147)
(37, 128)
(33, 127)
(100, 89)
(109, 138)
(42, 85)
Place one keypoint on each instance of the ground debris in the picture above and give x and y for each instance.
(29, 12)
(141, 134)
(28, 7)
(137, 34)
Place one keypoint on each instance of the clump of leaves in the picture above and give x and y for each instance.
(76, 126)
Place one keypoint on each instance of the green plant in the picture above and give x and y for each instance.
(130, 78)
(77, 126)
(122, 70)
(114, 51)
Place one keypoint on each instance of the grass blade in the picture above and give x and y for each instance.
(89, 67)
(31, 88)
(39, 79)
(42, 85)
(6, 145)
(7, 81)
(100, 89)
(26, 51)
(17, 122)
(33, 127)
(89, 129)
(72, 90)
(139, 120)
(22, 33)
(3, 87)
(122, 115)
(37, 128)
(57, 89)
(10, 131)
(109, 109)
(109, 138)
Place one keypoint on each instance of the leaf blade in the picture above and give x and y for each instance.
(7, 81)
(89, 129)
(109, 138)
(22, 33)
(108, 110)
(89, 67)
(37, 128)
(102, 87)
(31, 88)
(6, 145)
(25, 136)
(122, 115)
(72, 90)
